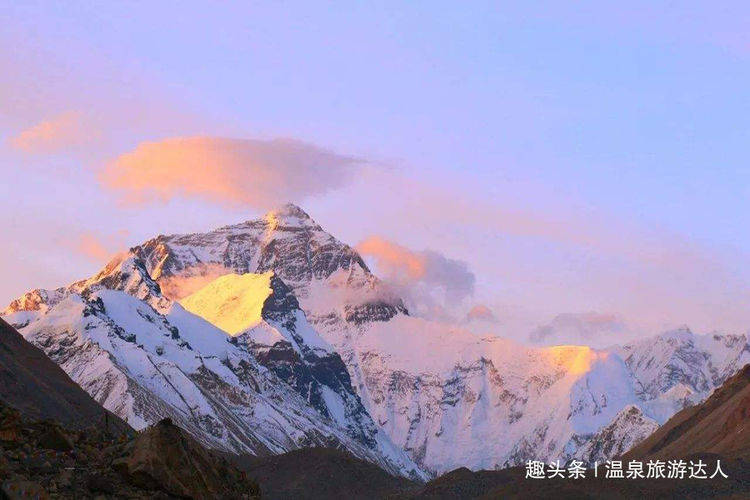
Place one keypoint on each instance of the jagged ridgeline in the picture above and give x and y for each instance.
(271, 335)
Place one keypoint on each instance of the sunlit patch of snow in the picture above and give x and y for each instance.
(232, 302)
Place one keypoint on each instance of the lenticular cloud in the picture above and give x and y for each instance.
(232, 172)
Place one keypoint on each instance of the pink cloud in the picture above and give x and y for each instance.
(394, 258)
(430, 283)
(99, 248)
(56, 134)
(230, 172)
(480, 312)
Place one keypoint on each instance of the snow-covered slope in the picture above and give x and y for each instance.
(145, 357)
(232, 302)
(679, 368)
(453, 400)
(484, 403)
(628, 428)
(335, 337)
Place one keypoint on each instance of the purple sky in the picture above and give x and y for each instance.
(575, 159)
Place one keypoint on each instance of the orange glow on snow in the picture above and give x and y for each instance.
(194, 278)
(574, 359)
(232, 302)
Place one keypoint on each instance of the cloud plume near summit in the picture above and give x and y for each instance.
(431, 283)
(231, 172)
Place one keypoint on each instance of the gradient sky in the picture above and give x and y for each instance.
(577, 157)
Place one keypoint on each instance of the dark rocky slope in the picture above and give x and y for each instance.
(41, 459)
(40, 389)
(511, 483)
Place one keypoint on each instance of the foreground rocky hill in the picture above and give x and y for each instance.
(322, 473)
(42, 459)
(511, 483)
(57, 442)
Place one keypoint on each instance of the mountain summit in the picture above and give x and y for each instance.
(330, 278)
(290, 215)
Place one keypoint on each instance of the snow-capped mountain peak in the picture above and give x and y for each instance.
(128, 273)
(146, 357)
(291, 326)
(328, 277)
(289, 215)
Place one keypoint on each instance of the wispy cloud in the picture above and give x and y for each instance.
(59, 133)
(480, 312)
(231, 172)
(394, 259)
(98, 247)
(592, 328)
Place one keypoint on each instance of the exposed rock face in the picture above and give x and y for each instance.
(283, 341)
(680, 368)
(286, 241)
(629, 428)
(281, 305)
(319, 375)
(166, 458)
